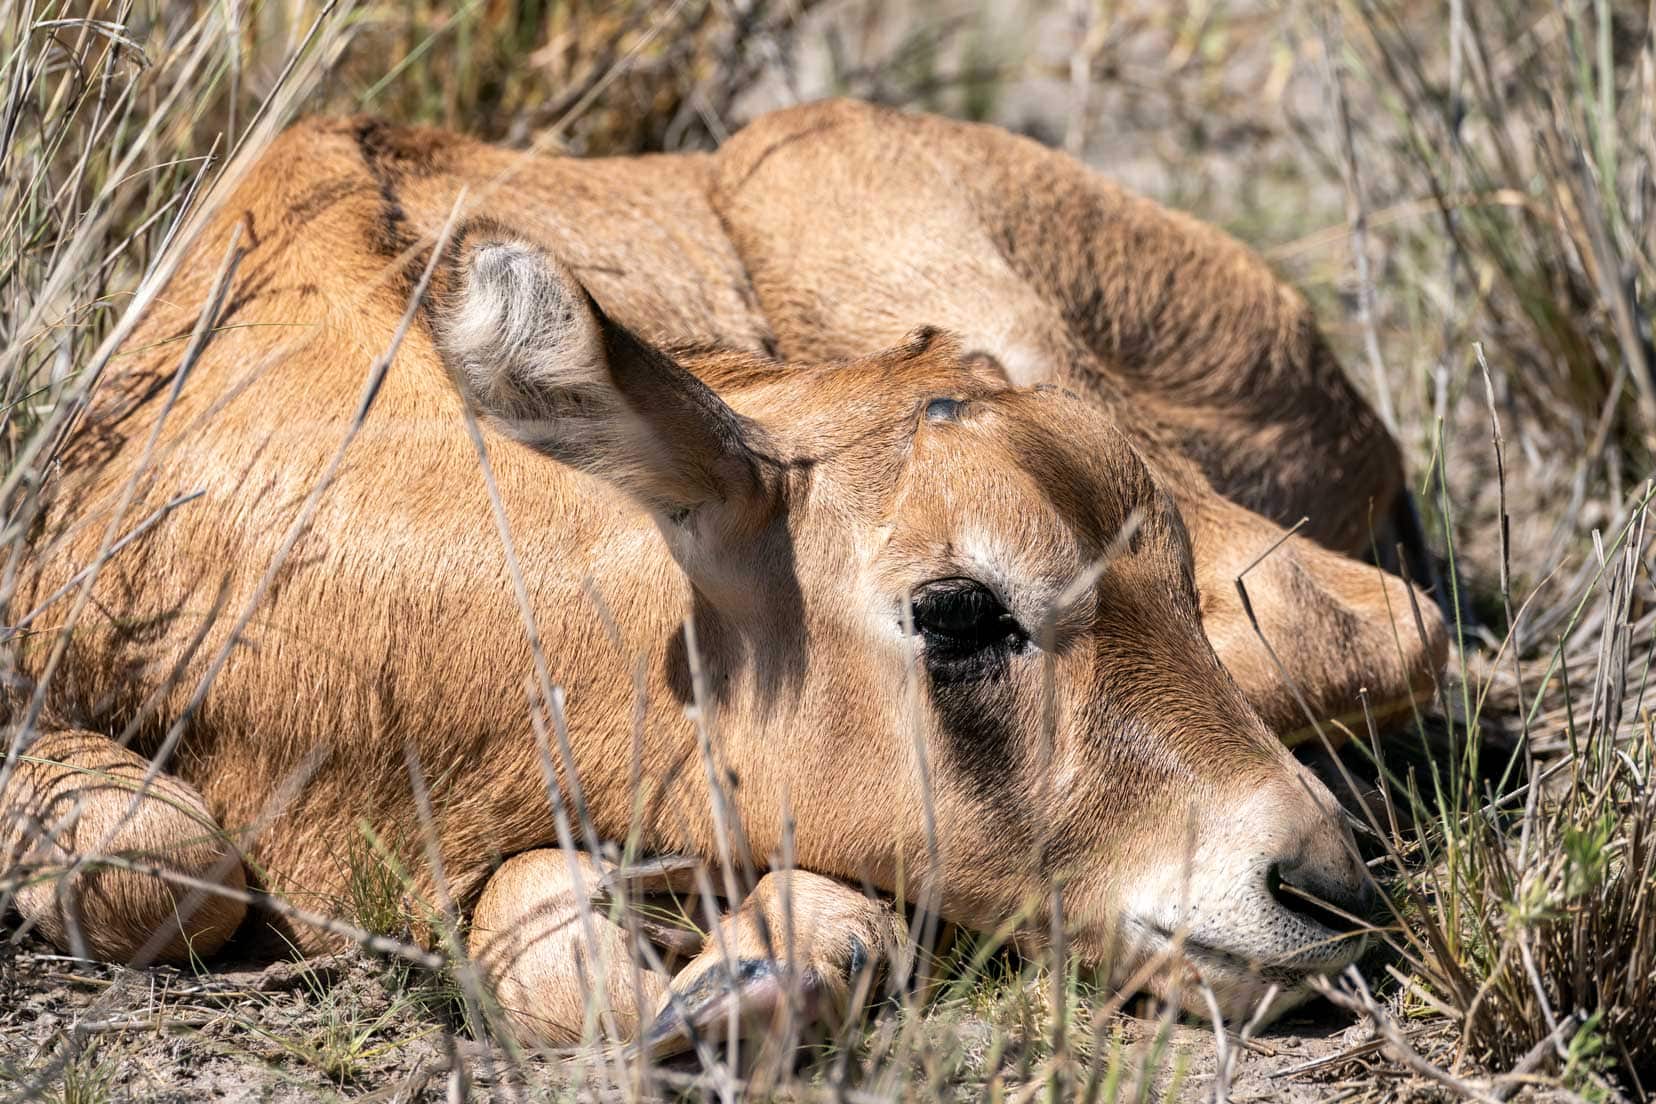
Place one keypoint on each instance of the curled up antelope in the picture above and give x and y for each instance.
(860, 525)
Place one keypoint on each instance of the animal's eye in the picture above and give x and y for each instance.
(962, 620)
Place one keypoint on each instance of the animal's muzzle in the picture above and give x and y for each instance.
(1344, 905)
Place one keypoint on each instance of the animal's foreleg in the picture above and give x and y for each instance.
(558, 960)
(80, 836)
(803, 952)
(800, 952)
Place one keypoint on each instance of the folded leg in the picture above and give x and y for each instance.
(800, 949)
(554, 957)
(76, 795)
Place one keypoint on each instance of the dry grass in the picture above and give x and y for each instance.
(1525, 903)
(1468, 190)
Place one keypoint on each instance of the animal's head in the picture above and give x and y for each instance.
(953, 625)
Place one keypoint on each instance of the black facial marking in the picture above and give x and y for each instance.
(969, 641)
(979, 738)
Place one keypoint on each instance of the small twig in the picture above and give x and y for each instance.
(1356, 998)
(1358, 1051)
(1223, 1056)
(1559, 1038)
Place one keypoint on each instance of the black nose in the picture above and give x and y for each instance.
(1344, 906)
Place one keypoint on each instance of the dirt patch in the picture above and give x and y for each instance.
(348, 1027)
(295, 1031)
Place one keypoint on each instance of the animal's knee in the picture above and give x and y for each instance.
(153, 857)
(843, 935)
(551, 956)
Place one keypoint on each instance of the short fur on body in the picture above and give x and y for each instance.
(656, 465)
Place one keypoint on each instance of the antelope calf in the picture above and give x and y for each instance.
(951, 616)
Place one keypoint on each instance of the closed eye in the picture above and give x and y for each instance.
(966, 630)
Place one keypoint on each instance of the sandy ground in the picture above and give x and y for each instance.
(340, 1028)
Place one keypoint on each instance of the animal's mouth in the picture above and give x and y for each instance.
(1240, 982)
(1326, 950)
(1289, 969)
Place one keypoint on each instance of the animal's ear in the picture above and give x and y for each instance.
(530, 349)
(1340, 629)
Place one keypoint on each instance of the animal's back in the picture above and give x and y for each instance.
(855, 220)
(379, 629)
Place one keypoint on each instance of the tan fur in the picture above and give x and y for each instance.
(855, 222)
(821, 497)
(77, 795)
(544, 959)
(535, 942)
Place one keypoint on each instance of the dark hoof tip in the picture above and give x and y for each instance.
(671, 1023)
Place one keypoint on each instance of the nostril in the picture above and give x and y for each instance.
(1341, 908)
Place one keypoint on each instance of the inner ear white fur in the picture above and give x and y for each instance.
(521, 328)
(528, 348)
